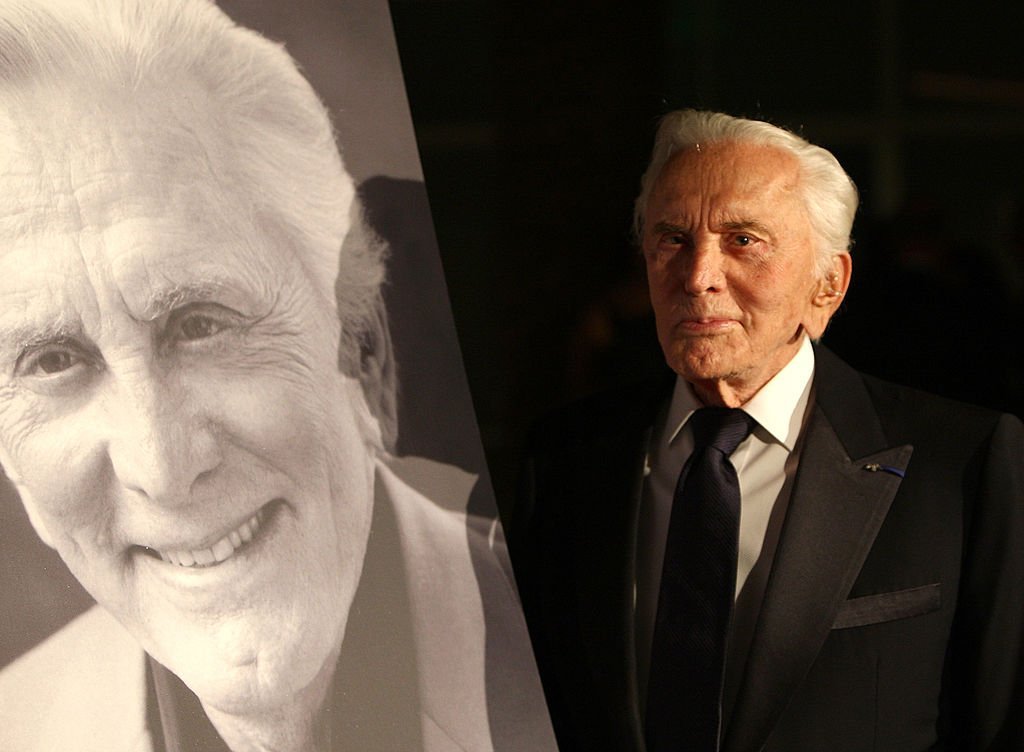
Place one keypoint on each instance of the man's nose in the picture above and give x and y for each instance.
(160, 444)
(702, 269)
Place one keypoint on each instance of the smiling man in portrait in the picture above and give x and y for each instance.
(197, 409)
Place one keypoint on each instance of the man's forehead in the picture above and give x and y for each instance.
(732, 178)
(735, 165)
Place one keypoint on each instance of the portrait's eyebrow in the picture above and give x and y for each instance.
(165, 299)
(19, 338)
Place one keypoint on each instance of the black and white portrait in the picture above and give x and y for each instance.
(206, 411)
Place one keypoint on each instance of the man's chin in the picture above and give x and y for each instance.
(701, 362)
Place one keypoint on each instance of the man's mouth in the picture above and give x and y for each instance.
(220, 551)
(700, 323)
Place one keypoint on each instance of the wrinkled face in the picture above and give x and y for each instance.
(171, 410)
(730, 259)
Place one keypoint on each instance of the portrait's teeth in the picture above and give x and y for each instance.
(220, 551)
(223, 548)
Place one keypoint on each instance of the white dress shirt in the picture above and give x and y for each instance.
(765, 463)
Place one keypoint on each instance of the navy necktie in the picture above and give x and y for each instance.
(698, 582)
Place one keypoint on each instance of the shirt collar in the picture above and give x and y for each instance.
(778, 407)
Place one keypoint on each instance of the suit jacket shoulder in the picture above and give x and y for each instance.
(896, 412)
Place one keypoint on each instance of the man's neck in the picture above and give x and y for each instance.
(738, 390)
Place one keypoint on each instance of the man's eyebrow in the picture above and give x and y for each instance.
(751, 225)
(669, 227)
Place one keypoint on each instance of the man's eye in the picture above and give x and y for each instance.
(673, 240)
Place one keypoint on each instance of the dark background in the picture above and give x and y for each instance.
(535, 120)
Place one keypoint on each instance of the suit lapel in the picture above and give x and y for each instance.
(835, 511)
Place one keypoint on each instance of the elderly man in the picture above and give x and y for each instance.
(196, 408)
(771, 551)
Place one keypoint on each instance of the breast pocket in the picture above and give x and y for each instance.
(883, 607)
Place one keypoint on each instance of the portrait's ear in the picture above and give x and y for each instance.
(31, 508)
(378, 377)
(26, 500)
(830, 291)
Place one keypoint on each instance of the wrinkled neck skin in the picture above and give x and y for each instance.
(300, 726)
(721, 394)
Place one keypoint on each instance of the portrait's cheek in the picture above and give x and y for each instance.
(53, 466)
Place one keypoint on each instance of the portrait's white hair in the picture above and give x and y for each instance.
(283, 153)
(829, 194)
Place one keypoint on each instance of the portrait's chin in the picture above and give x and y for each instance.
(255, 673)
(250, 623)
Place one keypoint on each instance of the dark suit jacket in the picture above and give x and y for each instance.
(893, 617)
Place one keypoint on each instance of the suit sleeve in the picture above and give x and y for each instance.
(988, 657)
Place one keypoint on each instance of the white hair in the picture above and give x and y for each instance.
(829, 194)
(283, 156)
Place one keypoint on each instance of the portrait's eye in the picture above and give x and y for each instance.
(196, 323)
(743, 240)
(199, 326)
(56, 362)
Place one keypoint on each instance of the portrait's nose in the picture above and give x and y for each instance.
(159, 443)
(702, 269)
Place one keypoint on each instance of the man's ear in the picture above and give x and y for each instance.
(831, 289)
(377, 375)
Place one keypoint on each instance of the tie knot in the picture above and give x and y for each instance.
(722, 428)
